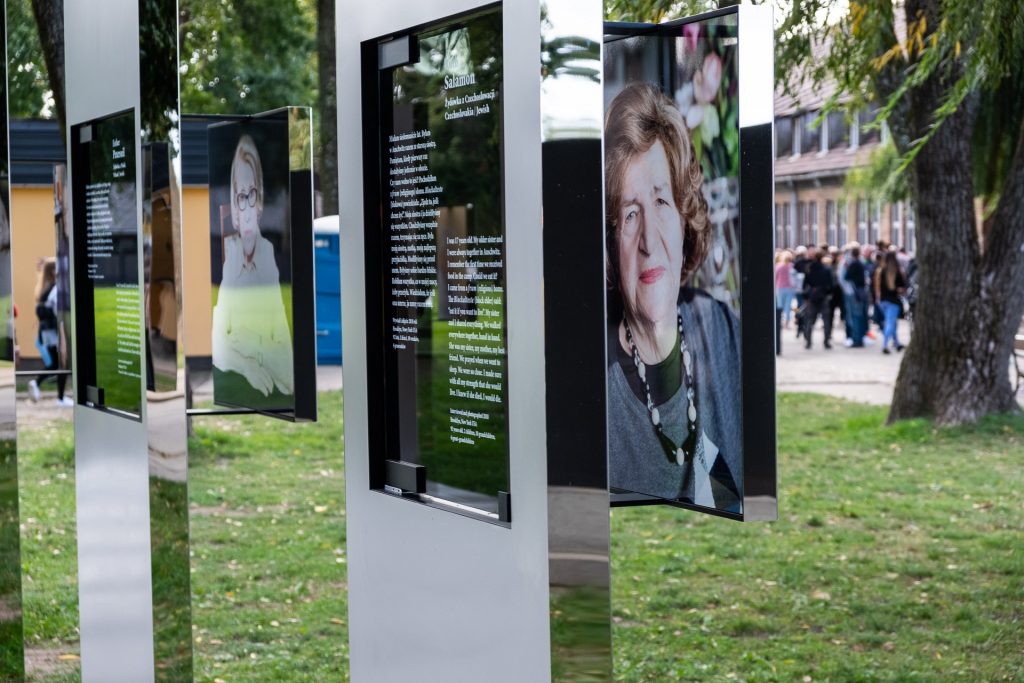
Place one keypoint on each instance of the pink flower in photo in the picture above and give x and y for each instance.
(708, 79)
(691, 34)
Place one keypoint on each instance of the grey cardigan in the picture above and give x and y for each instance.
(636, 459)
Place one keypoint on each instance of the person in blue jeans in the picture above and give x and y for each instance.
(856, 295)
(889, 287)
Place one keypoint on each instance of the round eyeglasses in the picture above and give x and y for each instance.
(245, 200)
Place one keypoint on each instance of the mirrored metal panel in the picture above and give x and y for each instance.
(12, 660)
(578, 524)
(166, 425)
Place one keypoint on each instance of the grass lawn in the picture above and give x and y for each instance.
(268, 548)
(898, 557)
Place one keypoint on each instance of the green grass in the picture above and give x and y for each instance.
(268, 540)
(49, 553)
(898, 557)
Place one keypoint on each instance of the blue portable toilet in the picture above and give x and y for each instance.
(328, 290)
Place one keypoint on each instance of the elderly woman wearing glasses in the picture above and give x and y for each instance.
(674, 366)
(251, 335)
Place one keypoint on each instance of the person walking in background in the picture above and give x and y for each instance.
(834, 261)
(48, 336)
(877, 317)
(818, 295)
(857, 299)
(800, 263)
(889, 285)
(784, 290)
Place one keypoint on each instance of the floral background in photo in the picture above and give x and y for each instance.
(707, 94)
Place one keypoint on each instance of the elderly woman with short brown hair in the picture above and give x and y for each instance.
(674, 363)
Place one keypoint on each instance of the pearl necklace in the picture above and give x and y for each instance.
(676, 454)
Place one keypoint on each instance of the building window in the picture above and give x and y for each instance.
(897, 235)
(810, 139)
(804, 223)
(875, 225)
(862, 221)
(783, 136)
(842, 237)
(812, 209)
(838, 131)
(831, 232)
(865, 119)
(787, 224)
(778, 226)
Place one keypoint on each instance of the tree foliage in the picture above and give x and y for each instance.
(657, 11)
(247, 56)
(29, 91)
(875, 55)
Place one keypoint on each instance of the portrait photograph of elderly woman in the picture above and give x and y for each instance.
(251, 331)
(671, 235)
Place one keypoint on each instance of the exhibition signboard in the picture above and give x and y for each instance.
(261, 249)
(437, 277)
(688, 250)
(106, 242)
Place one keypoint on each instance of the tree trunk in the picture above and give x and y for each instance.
(970, 299)
(49, 16)
(328, 162)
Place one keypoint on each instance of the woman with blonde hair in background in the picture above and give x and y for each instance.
(48, 336)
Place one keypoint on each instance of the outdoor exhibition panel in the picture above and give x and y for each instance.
(130, 431)
(12, 661)
(446, 394)
(688, 230)
(441, 268)
(261, 263)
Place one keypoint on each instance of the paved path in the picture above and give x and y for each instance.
(866, 375)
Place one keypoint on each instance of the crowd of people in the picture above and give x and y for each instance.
(868, 285)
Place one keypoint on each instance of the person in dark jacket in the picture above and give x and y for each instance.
(818, 295)
(857, 299)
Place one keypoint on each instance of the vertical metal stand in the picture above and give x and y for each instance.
(131, 476)
(528, 599)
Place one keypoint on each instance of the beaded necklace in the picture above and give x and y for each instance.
(676, 454)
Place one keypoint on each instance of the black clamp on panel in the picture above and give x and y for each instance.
(397, 52)
(504, 506)
(94, 396)
(407, 476)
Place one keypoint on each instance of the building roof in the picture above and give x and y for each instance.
(806, 95)
(36, 145)
(812, 165)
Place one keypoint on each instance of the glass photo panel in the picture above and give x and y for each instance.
(677, 284)
(107, 291)
(442, 259)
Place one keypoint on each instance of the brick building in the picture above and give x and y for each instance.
(812, 204)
